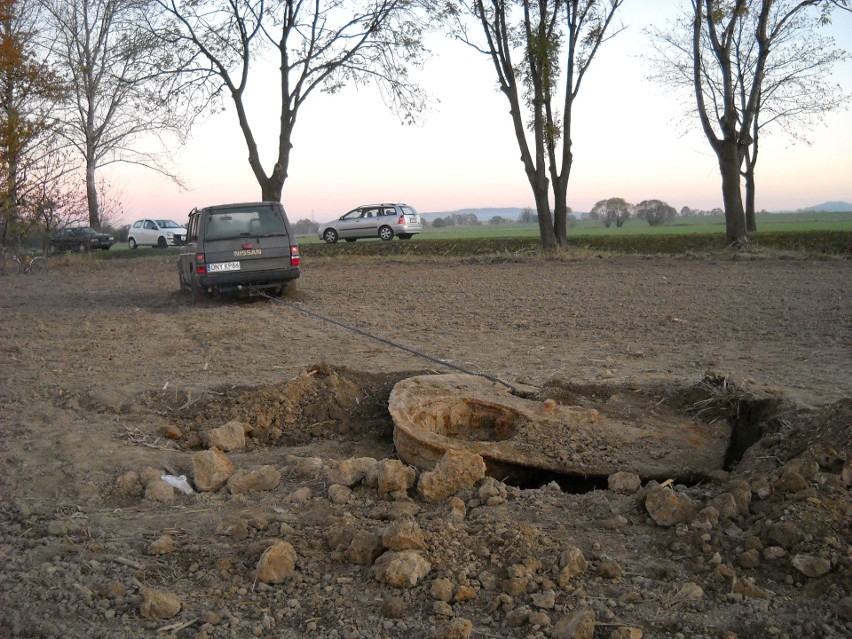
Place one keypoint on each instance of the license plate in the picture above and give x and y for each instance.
(223, 266)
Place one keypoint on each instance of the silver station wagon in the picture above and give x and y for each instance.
(373, 220)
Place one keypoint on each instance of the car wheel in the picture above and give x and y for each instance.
(386, 233)
(404, 236)
(330, 236)
(81, 248)
(161, 242)
(51, 250)
(131, 243)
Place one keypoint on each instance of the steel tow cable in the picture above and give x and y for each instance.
(514, 390)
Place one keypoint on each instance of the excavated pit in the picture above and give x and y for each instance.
(571, 434)
(519, 438)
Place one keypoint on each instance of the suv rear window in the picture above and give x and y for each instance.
(249, 222)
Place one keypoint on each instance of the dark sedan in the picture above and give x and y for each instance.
(81, 238)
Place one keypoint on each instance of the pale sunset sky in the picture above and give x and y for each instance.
(630, 141)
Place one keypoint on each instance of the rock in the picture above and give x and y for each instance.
(844, 608)
(455, 509)
(255, 481)
(404, 535)
(170, 431)
(577, 625)
(442, 609)
(351, 471)
(571, 564)
(464, 593)
(128, 485)
(774, 552)
(741, 491)
(157, 604)
(162, 546)
(233, 526)
(455, 470)
(305, 466)
(158, 490)
(624, 483)
(231, 436)
(276, 563)
(394, 608)
(149, 474)
(807, 467)
(393, 510)
(518, 617)
(846, 473)
(790, 482)
(339, 494)
(609, 569)
(211, 469)
(761, 487)
(539, 618)
(725, 505)
(364, 548)
(690, 591)
(706, 519)
(394, 478)
(546, 599)
(442, 589)
(784, 534)
(115, 589)
(668, 508)
(811, 566)
(492, 492)
(515, 586)
(401, 569)
(302, 495)
(456, 629)
(748, 588)
(627, 632)
(749, 558)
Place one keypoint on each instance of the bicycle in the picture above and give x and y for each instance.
(23, 263)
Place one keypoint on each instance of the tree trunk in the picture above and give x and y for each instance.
(545, 218)
(751, 220)
(92, 195)
(729, 167)
(560, 209)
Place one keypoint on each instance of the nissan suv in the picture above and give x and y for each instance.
(373, 220)
(238, 247)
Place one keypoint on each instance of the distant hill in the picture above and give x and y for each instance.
(830, 207)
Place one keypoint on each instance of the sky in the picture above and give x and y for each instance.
(629, 141)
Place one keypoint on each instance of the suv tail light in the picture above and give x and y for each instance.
(295, 258)
(200, 266)
(401, 220)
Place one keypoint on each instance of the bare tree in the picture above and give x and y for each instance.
(116, 111)
(614, 210)
(532, 43)
(28, 93)
(655, 212)
(740, 58)
(320, 45)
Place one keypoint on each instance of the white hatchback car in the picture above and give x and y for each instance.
(159, 233)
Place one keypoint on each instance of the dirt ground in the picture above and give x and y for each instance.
(111, 378)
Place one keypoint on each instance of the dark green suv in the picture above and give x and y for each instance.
(238, 247)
